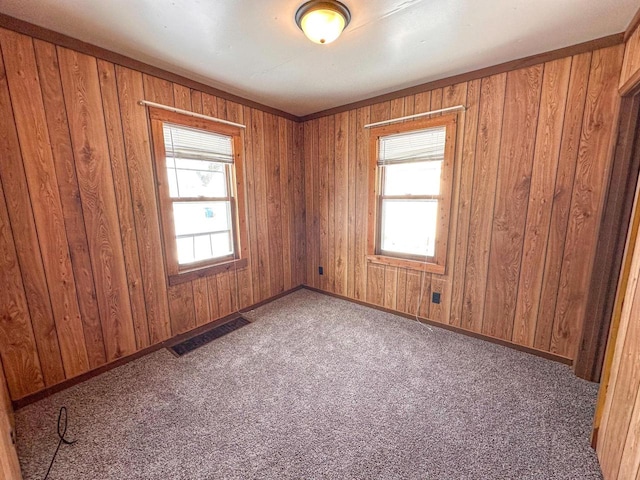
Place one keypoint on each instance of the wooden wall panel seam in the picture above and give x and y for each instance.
(97, 194)
(461, 256)
(596, 148)
(115, 139)
(508, 234)
(526, 213)
(137, 149)
(22, 366)
(555, 189)
(30, 260)
(72, 208)
(481, 326)
(569, 142)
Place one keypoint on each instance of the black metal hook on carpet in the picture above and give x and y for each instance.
(62, 432)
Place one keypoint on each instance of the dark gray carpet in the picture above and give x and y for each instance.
(322, 388)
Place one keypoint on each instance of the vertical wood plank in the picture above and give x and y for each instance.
(352, 207)
(310, 240)
(111, 107)
(261, 212)
(201, 301)
(522, 99)
(9, 463)
(182, 97)
(273, 198)
(181, 308)
(390, 287)
(28, 250)
(413, 287)
(571, 130)
(158, 90)
(196, 101)
(375, 285)
(465, 186)
(300, 216)
(422, 102)
(212, 287)
(330, 142)
(543, 179)
(251, 205)
(17, 343)
(492, 92)
(630, 461)
(363, 117)
(287, 204)
(323, 197)
(341, 202)
(223, 287)
(401, 294)
(424, 296)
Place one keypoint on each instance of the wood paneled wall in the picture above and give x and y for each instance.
(618, 444)
(9, 465)
(81, 267)
(534, 152)
(630, 74)
(80, 246)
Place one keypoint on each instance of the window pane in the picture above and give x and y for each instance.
(195, 248)
(196, 178)
(201, 217)
(203, 230)
(421, 178)
(186, 250)
(221, 244)
(409, 226)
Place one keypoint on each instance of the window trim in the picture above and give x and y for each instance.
(183, 273)
(437, 263)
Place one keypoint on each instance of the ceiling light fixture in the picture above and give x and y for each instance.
(323, 21)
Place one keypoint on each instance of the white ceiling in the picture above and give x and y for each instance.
(254, 49)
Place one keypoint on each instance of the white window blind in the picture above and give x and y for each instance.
(188, 143)
(417, 146)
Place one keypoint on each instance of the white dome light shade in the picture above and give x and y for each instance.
(322, 22)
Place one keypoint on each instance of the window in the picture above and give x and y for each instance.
(197, 163)
(412, 167)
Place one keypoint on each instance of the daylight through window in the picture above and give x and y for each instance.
(198, 163)
(414, 165)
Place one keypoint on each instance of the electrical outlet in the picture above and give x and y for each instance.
(320, 271)
(435, 297)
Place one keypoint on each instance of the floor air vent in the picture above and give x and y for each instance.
(208, 336)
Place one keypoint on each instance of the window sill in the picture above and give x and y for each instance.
(189, 275)
(410, 264)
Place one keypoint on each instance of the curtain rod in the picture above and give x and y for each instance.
(417, 115)
(187, 112)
